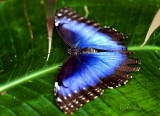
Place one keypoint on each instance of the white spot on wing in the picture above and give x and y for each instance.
(59, 14)
(70, 13)
(57, 23)
(59, 99)
(57, 86)
(65, 11)
(69, 95)
(125, 82)
(110, 87)
(71, 106)
(119, 84)
(80, 96)
(95, 97)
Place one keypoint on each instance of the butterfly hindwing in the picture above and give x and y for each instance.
(71, 90)
(84, 77)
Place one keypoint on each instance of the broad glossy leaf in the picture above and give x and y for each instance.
(29, 79)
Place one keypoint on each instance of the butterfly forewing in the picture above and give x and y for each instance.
(78, 33)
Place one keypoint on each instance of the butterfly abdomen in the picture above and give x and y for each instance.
(76, 51)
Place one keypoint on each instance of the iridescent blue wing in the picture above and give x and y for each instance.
(78, 31)
(83, 77)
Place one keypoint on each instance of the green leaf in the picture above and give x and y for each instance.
(28, 79)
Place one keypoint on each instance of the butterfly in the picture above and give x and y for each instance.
(98, 60)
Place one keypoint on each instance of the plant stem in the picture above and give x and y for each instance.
(137, 48)
(30, 76)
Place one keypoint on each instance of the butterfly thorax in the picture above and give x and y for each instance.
(76, 51)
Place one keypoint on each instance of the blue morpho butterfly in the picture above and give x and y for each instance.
(97, 60)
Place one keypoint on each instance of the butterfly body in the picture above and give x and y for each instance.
(97, 60)
(77, 51)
